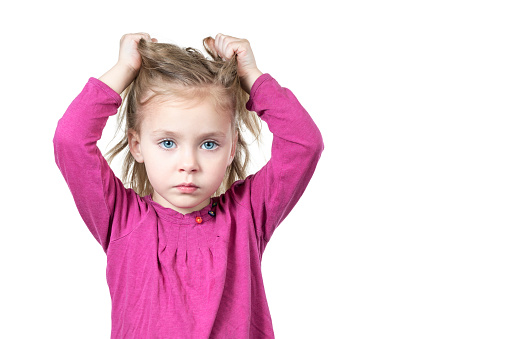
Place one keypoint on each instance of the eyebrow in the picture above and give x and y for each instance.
(176, 134)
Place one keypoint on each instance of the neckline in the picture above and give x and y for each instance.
(179, 218)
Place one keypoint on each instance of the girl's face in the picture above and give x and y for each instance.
(184, 145)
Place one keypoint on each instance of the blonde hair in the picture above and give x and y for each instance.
(184, 74)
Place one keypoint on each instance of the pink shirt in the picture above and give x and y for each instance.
(168, 275)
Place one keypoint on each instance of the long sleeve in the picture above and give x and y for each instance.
(101, 198)
(297, 144)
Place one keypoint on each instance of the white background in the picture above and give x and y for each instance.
(403, 229)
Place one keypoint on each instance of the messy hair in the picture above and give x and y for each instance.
(184, 74)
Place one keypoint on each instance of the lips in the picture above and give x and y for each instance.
(187, 184)
(187, 187)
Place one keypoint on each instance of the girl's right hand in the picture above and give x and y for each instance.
(128, 64)
(128, 54)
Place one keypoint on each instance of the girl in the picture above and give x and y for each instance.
(184, 244)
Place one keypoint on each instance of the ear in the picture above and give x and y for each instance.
(234, 147)
(133, 139)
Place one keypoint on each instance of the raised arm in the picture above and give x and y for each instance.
(101, 198)
(271, 193)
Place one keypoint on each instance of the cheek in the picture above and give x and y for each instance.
(222, 158)
(215, 163)
(156, 161)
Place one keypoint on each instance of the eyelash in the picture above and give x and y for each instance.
(212, 141)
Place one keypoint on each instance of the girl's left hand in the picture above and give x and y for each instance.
(226, 46)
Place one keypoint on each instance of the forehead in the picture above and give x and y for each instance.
(184, 117)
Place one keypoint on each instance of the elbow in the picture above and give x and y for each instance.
(59, 145)
(318, 145)
(314, 146)
(62, 143)
(322, 146)
(57, 139)
(59, 135)
(65, 134)
(58, 142)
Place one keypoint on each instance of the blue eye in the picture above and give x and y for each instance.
(169, 144)
(166, 142)
(210, 143)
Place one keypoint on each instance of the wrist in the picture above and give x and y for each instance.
(119, 77)
(126, 68)
(250, 79)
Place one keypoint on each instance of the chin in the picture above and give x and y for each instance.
(187, 200)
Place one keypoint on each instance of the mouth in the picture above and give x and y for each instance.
(187, 189)
(187, 185)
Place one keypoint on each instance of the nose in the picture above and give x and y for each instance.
(188, 161)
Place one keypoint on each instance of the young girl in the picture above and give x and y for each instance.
(184, 245)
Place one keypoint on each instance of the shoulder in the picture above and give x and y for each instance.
(239, 193)
(129, 212)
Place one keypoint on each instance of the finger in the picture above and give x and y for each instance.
(226, 45)
(138, 36)
(222, 42)
(218, 44)
(233, 47)
(147, 37)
